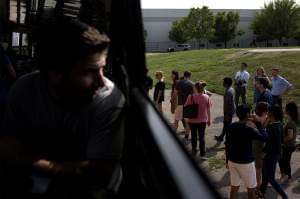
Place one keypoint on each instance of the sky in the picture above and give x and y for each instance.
(213, 4)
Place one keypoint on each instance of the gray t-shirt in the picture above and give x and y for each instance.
(184, 89)
(47, 130)
(229, 105)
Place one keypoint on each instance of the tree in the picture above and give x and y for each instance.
(226, 27)
(178, 31)
(277, 20)
(199, 24)
(262, 26)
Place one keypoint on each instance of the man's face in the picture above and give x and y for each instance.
(274, 72)
(86, 78)
(243, 67)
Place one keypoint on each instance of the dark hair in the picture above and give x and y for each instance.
(65, 42)
(243, 110)
(261, 108)
(292, 110)
(174, 72)
(227, 81)
(264, 81)
(187, 74)
(244, 64)
(276, 111)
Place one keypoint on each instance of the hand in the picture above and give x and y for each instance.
(43, 165)
(251, 124)
(208, 123)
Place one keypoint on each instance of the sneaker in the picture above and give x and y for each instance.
(218, 138)
(203, 158)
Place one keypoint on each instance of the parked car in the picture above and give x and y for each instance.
(179, 47)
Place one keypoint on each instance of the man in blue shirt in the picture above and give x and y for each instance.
(280, 87)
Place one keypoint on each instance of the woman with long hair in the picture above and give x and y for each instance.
(203, 119)
(289, 141)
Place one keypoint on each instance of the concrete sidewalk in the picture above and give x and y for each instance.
(215, 166)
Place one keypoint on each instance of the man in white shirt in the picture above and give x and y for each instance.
(241, 78)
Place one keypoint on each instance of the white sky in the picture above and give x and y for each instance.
(213, 4)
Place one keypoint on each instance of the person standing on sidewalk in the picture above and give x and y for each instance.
(203, 118)
(280, 87)
(289, 144)
(272, 152)
(173, 100)
(261, 116)
(241, 79)
(159, 91)
(260, 72)
(184, 88)
(228, 107)
(239, 154)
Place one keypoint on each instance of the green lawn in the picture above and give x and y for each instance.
(213, 65)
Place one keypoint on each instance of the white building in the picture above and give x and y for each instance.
(158, 22)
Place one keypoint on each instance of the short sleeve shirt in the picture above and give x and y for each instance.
(279, 84)
(243, 76)
(184, 89)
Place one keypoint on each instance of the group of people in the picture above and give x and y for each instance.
(259, 140)
(254, 144)
(183, 94)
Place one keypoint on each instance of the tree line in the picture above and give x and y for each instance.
(277, 20)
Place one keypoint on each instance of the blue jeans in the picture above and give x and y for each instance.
(268, 175)
(198, 132)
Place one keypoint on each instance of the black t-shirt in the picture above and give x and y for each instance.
(239, 139)
(276, 134)
(184, 89)
(159, 86)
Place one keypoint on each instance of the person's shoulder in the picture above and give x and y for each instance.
(27, 83)
(110, 95)
(206, 96)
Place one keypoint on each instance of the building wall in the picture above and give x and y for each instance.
(158, 22)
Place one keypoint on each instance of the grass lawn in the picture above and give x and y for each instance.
(213, 65)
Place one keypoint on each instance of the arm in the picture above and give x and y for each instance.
(188, 101)
(289, 136)
(258, 133)
(104, 150)
(158, 96)
(287, 86)
(208, 112)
